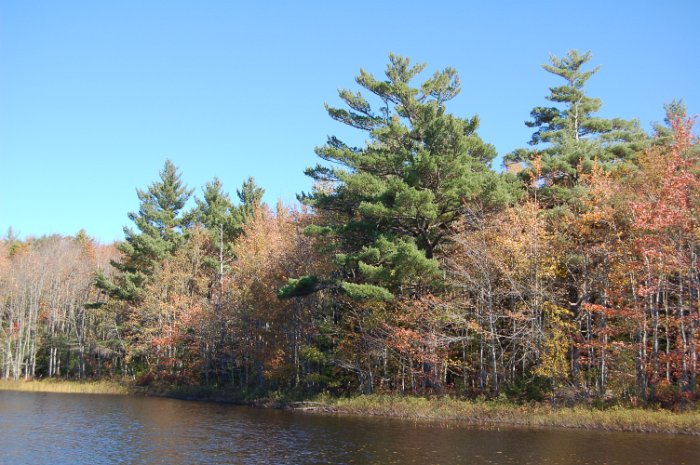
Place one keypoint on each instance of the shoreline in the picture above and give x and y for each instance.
(439, 410)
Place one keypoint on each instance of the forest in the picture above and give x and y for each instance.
(414, 265)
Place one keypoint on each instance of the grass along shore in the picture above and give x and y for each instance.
(65, 387)
(491, 413)
(438, 409)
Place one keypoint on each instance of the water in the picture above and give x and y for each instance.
(72, 429)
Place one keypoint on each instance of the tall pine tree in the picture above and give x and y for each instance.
(159, 232)
(569, 136)
(250, 196)
(388, 206)
(222, 220)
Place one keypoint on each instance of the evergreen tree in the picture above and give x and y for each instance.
(389, 205)
(568, 136)
(250, 196)
(673, 111)
(224, 221)
(159, 232)
(215, 211)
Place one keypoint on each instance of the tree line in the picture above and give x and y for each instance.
(412, 266)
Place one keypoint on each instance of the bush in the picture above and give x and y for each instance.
(535, 388)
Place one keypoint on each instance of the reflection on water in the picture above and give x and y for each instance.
(40, 428)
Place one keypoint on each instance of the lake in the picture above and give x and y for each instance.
(74, 429)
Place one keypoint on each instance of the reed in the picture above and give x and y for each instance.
(66, 387)
(503, 413)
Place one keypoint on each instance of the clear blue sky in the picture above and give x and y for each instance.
(94, 96)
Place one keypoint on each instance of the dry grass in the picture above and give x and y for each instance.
(503, 413)
(67, 387)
